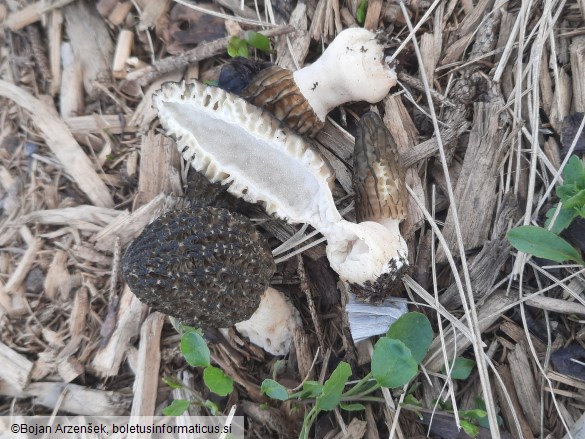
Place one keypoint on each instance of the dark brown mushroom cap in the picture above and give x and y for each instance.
(205, 266)
(378, 174)
(275, 90)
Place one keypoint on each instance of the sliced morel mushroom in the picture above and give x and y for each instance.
(207, 266)
(231, 141)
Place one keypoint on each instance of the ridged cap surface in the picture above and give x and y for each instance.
(205, 266)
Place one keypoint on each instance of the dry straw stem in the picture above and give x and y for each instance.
(62, 144)
(32, 13)
(470, 311)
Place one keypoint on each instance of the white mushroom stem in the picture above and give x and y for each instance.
(274, 323)
(365, 251)
(352, 68)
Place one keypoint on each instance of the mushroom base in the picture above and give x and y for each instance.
(387, 284)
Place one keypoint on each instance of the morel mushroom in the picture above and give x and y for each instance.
(205, 266)
(231, 141)
(379, 185)
(352, 68)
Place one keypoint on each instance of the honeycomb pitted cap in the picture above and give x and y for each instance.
(206, 266)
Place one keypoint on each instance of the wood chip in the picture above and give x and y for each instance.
(506, 410)
(97, 124)
(16, 368)
(373, 15)
(31, 14)
(292, 49)
(56, 274)
(91, 43)
(122, 53)
(405, 135)
(488, 313)
(526, 387)
(127, 226)
(577, 50)
(78, 400)
(62, 144)
(129, 316)
(160, 164)
(82, 217)
(556, 305)
(476, 187)
(145, 386)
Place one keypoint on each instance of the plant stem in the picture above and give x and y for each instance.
(357, 387)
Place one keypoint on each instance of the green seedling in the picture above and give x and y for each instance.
(545, 242)
(572, 196)
(394, 363)
(240, 46)
(361, 12)
(196, 352)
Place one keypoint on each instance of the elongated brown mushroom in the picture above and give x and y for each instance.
(380, 189)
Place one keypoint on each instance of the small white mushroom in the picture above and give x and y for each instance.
(273, 324)
(352, 68)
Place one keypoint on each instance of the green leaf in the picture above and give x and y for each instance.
(333, 387)
(312, 389)
(485, 422)
(172, 382)
(177, 407)
(212, 407)
(576, 200)
(462, 368)
(195, 350)
(257, 40)
(361, 12)
(574, 172)
(392, 363)
(186, 328)
(469, 428)
(473, 415)
(563, 220)
(411, 400)
(566, 191)
(274, 390)
(217, 381)
(355, 407)
(542, 243)
(414, 330)
(237, 47)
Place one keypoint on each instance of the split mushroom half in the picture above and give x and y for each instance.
(210, 267)
(231, 141)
